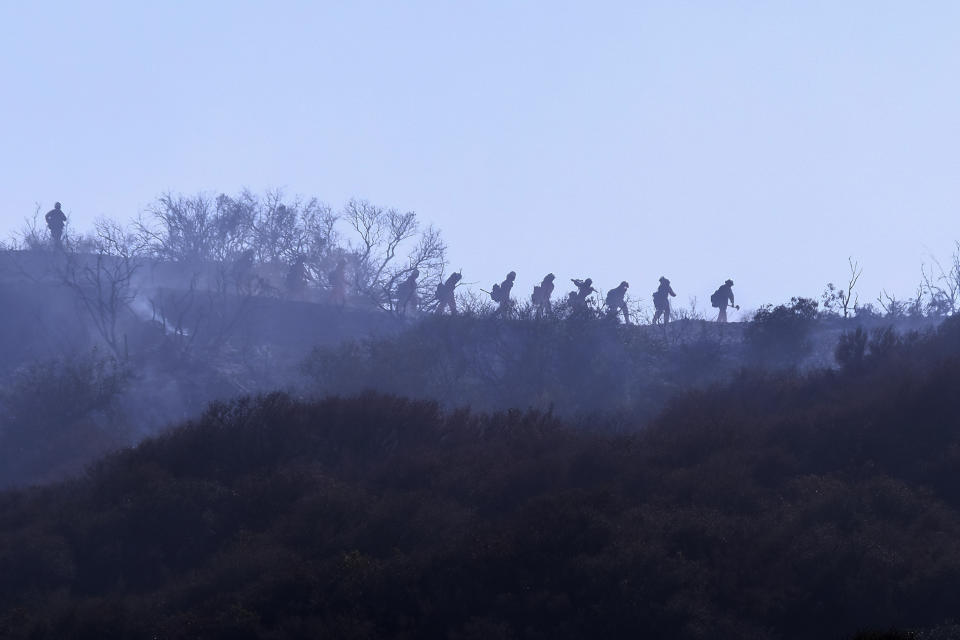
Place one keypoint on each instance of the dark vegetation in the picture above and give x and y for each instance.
(570, 366)
(551, 474)
(59, 414)
(783, 505)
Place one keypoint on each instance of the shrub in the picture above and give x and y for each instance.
(58, 414)
(780, 334)
(851, 350)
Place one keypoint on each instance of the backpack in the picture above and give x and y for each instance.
(495, 293)
(717, 298)
(537, 294)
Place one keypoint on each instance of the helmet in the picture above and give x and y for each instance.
(729, 283)
(550, 276)
(512, 275)
(625, 284)
(662, 279)
(588, 282)
(56, 205)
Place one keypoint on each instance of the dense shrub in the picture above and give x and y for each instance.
(775, 507)
(781, 333)
(56, 415)
(572, 367)
(851, 349)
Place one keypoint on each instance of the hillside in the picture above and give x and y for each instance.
(86, 369)
(776, 506)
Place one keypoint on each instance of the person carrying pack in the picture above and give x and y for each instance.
(500, 293)
(407, 293)
(721, 298)
(56, 221)
(446, 291)
(297, 276)
(661, 301)
(578, 299)
(616, 302)
(541, 295)
(338, 283)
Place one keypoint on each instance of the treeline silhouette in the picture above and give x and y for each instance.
(778, 505)
(272, 244)
(204, 297)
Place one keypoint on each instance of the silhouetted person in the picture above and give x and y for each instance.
(56, 220)
(242, 270)
(661, 301)
(541, 295)
(578, 298)
(721, 298)
(297, 277)
(446, 291)
(617, 303)
(500, 293)
(407, 296)
(338, 283)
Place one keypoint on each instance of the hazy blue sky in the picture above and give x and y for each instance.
(763, 141)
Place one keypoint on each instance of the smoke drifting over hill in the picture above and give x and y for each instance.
(677, 478)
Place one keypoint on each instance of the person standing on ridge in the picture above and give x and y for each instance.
(617, 303)
(446, 291)
(407, 293)
(578, 298)
(500, 293)
(297, 277)
(541, 295)
(56, 221)
(720, 299)
(661, 301)
(338, 283)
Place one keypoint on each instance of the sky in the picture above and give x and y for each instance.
(765, 142)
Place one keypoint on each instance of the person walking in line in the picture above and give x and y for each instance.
(446, 290)
(661, 301)
(617, 303)
(338, 283)
(500, 293)
(723, 297)
(407, 296)
(541, 296)
(578, 298)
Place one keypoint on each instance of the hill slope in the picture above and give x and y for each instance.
(775, 507)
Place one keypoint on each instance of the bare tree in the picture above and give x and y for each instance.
(103, 279)
(243, 231)
(198, 321)
(251, 239)
(843, 301)
(234, 224)
(383, 255)
(941, 285)
(891, 305)
(32, 235)
(279, 235)
(320, 232)
(182, 229)
(915, 306)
